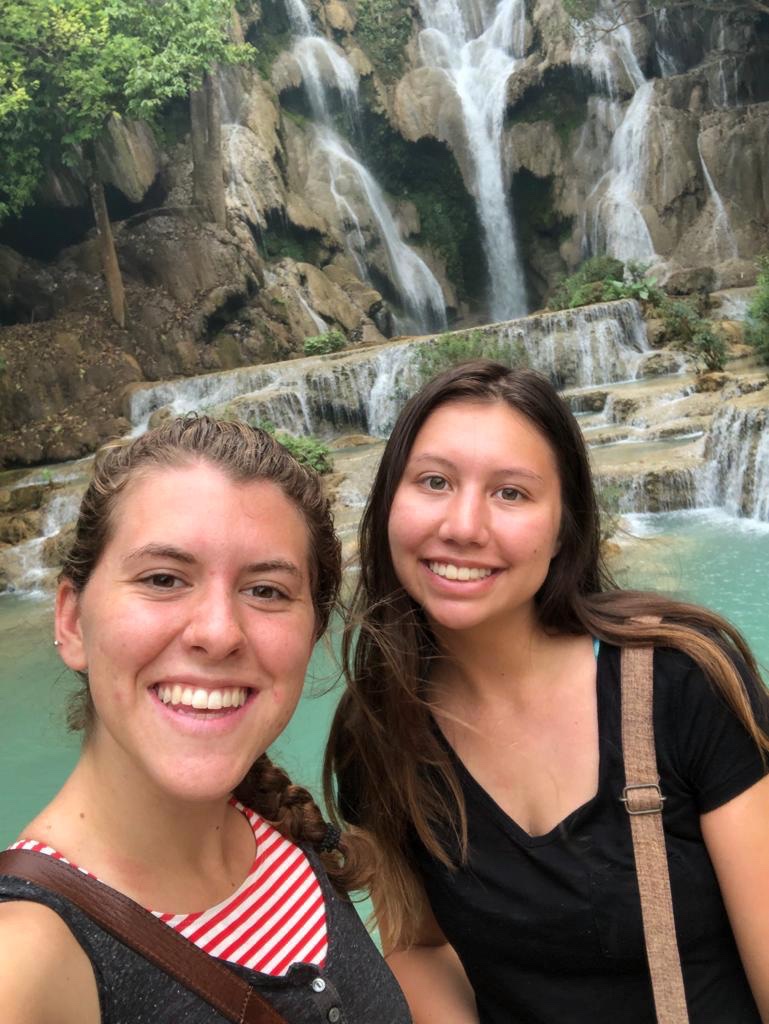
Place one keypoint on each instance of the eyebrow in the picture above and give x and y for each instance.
(187, 558)
(440, 460)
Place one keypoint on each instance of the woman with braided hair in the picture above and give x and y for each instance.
(203, 569)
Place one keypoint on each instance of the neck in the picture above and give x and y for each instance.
(165, 852)
(511, 661)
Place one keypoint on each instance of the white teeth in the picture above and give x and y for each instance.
(202, 700)
(457, 572)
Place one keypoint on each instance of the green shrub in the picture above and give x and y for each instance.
(757, 320)
(709, 348)
(384, 27)
(322, 344)
(604, 279)
(310, 451)
(681, 321)
(449, 349)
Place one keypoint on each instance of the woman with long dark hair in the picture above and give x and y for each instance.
(479, 740)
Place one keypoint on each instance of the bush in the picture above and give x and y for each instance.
(322, 344)
(449, 349)
(693, 333)
(708, 346)
(604, 279)
(681, 321)
(757, 320)
(310, 451)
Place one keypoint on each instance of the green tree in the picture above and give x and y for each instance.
(67, 66)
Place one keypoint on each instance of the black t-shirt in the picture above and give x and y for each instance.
(549, 927)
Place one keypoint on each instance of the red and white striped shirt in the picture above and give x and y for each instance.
(276, 918)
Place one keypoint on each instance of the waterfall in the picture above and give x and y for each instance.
(359, 200)
(724, 242)
(736, 472)
(478, 50)
(419, 291)
(617, 225)
(364, 390)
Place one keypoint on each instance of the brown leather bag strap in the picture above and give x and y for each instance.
(643, 801)
(210, 979)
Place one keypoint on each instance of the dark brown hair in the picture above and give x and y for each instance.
(244, 454)
(383, 746)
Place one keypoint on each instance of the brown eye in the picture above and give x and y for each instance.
(436, 483)
(162, 580)
(509, 493)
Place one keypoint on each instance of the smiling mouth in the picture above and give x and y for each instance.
(190, 698)
(462, 573)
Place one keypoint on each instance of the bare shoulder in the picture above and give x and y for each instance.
(45, 976)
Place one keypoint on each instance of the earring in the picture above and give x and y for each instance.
(57, 643)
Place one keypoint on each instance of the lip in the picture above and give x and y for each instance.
(469, 588)
(461, 563)
(197, 683)
(192, 722)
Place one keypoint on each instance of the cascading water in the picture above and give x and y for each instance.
(617, 225)
(364, 390)
(736, 472)
(478, 50)
(724, 242)
(357, 195)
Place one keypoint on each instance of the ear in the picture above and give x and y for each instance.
(67, 629)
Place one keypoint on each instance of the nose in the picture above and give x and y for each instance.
(465, 519)
(214, 627)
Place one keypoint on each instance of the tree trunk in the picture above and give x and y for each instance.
(207, 166)
(109, 263)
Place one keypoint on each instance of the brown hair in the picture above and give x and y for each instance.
(383, 748)
(245, 454)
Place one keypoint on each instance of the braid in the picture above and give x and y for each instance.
(292, 811)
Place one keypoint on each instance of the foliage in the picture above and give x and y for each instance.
(321, 344)
(681, 321)
(604, 278)
(67, 65)
(310, 451)
(684, 326)
(384, 27)
(757, 321)
(447, 350)
(708, 346)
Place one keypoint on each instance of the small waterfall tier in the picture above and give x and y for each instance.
(363, 390)
(736, 472)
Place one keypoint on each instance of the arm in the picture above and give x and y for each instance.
(432, 978)
(737, 838)
(45, 977)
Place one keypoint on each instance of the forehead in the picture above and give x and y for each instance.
(465, 425)
(199, 503)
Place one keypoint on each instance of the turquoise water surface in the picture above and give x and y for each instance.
(702, 556)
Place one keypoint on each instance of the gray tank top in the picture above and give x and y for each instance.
(355, 986)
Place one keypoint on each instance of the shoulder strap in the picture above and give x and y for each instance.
(210, 979)
(643, 801)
